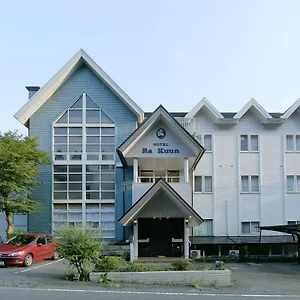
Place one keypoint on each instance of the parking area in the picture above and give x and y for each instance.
(247, 278)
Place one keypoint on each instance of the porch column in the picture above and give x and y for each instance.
(135, 240)
(135, 170)
(186, 169)
(186, 238)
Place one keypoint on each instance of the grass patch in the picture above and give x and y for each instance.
(196, 284)
(214, 285)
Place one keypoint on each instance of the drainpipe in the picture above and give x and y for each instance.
(193, 172)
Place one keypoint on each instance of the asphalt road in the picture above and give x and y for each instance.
(58, 294)
(44, 281)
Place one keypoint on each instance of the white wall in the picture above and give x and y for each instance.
(226, 205)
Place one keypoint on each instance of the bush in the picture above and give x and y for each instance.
(181, 265)
(110, 264)
(132, 267)
(80, 246)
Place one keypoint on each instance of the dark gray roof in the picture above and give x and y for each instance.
(173, 114)
(226, 115)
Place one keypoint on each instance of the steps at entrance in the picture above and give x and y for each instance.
(115, 250)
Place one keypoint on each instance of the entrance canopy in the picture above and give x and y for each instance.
(161, 201)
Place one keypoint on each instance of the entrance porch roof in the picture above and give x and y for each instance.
(181, 208)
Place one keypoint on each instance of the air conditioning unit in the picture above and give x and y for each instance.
(195, 253)
(234, 253)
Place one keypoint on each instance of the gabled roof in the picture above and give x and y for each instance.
(147, 124)
(204, 103)
(40, 97)
(291, 109)
(187, 211)
(253, 103)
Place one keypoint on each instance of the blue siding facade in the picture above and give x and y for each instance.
(123, 200)
(40, 125)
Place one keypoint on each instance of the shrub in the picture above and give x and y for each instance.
(132, 267)
(181, 265)
(80, 246)
(109, 264)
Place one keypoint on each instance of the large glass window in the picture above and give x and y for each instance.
(84, 170)
(76, 140)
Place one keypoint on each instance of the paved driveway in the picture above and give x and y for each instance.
(248, 279)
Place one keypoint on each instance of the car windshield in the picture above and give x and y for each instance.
(21, 240)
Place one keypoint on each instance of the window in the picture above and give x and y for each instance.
(292, 143)
(205, 229)
(205, 140)
(293, 222)
(249, 184)
(293, 183)
(250, 227)
(49, 239)
(41, 241)
(97, 132)
(203, 184)
(84, 170)
(249, 143)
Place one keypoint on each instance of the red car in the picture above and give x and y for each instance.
(24, 249)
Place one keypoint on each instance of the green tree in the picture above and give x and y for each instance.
(20, 160)
(81, 246)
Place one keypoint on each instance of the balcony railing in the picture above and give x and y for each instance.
(153, 179)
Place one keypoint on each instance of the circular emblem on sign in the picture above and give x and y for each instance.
(160, 133)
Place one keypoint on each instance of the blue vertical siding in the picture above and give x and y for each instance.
(40, 125)
(123, 200)
(128, 197)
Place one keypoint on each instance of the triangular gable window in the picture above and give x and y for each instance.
(93, 114)
(73, 114)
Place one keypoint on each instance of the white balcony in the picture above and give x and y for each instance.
(182, 188)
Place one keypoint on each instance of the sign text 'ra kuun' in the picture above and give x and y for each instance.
(160, 150)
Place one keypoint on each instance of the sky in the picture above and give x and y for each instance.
(165, 52)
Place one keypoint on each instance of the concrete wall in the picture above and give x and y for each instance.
(206, 277)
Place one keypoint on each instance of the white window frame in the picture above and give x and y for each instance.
(83, 202)
(249, 143)
(203, 184)
(294, 139)
(200, 138)
(296, 188)
(249, 177)
(250, 225)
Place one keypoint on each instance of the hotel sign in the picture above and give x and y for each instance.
(160, 148)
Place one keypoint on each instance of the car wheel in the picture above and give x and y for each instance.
(28, 260)
(55, 255)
